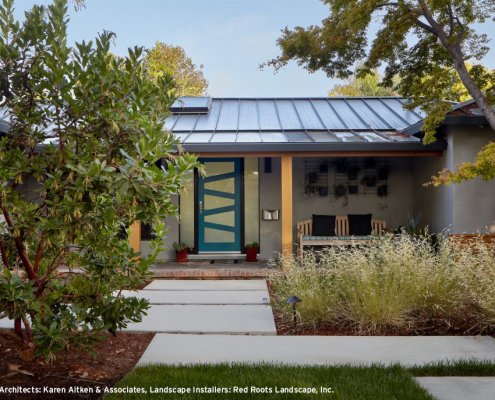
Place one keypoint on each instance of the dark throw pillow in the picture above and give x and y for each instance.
(359, 225)
(323, 225)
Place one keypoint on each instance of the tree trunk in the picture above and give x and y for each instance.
(475, 92)
(458, 59)
(18, 328)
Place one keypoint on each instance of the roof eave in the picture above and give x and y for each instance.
(295, 148)
(459, 120)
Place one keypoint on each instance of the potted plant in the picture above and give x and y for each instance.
(352, 172)
(383, 173)
(252, 251)
(382, 190)
(312, 177)
(341, 166)
(180, 251)
(369, 181)
(339, 191)
(369, 163)
(353, 189)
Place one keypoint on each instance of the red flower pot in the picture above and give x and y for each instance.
(181, 255)
(251, 254)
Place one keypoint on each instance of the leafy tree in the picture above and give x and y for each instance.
(418, 41)
(371, 84)
(368, 85)
(164, 59)
(77, 167)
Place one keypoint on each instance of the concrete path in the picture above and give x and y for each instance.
(201, 296)
(223, 285)
(230, 307)
(459, 388)
(6, 323)
(315, 350)
(211, 319)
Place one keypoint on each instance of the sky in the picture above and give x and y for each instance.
(230, 38)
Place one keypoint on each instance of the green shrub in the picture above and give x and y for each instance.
(397, 282)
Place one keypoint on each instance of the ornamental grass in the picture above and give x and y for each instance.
(396, 284)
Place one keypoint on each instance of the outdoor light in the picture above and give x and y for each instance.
(294, 300)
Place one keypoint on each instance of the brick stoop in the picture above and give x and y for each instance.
(209, 271)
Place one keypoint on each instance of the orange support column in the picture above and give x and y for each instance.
(135, 236)
(286, 204)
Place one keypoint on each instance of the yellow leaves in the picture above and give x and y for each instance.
(77, 213)
(483, 167)
(165, 60)
(368, 85)
(87, 181)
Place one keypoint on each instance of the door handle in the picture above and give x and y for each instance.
(201, 207)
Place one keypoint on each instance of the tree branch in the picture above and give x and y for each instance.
(21, 248)
(5, 260)
(39, 252)
(451, 19)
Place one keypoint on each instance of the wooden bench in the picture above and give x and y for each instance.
(341, 238)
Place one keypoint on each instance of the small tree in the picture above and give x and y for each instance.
(78, 165)
(164, 59)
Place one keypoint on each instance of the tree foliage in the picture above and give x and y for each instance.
(164, 59)
(368, 85)
(371, 84)
(77, 166)
(426, 43)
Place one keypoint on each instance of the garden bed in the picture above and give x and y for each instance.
(113, 358)
(461, 327)
(402, 285)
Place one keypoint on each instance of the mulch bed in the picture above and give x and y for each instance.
(113, 359)
(285, 326)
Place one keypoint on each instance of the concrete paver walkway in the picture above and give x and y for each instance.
(201, 296)
(459, 387)
(231, 307)
(211, 319)
(223, 285)
(315, 350)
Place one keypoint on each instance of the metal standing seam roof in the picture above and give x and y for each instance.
(275, 123)
(4, 126)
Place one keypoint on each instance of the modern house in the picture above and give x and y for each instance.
(271, 162)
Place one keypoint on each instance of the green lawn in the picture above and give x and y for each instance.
(458, 368)
(346, 383)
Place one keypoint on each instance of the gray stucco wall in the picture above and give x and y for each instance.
(270, 231)
(434, 205)
(461, 208)
(474, 208)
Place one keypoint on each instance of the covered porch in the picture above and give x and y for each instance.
(273, 162)
(280, 190)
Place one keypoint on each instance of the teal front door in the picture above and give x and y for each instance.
(219, 205)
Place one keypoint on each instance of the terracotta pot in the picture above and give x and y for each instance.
(181, 255)
(251, 254)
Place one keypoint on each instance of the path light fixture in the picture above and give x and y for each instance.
(294, 300)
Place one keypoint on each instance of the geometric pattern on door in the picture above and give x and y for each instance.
(219, 205)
